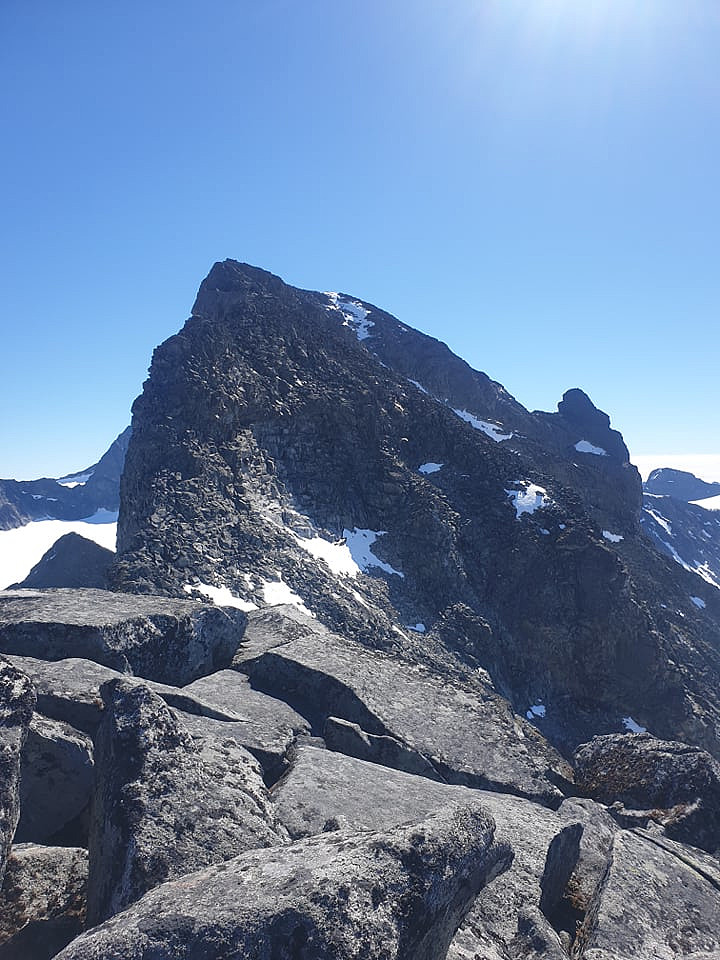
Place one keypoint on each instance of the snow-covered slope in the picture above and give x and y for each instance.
(22, 547)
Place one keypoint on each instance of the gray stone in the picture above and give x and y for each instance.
(165, 804)
(17, 702)
(42, 902)
(56, 779)
(269, 726)
(340, 896)
(324, 789)
(674, 784)
(69, 690)
(352, 740)
(651, 904)
(458, 725)
(170, 641)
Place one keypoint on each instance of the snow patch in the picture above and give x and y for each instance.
(418, 628)
(492, 430)
(429, 467)
(420, 387)
(75, 480)
(359, 543)
(632, 726)
(536, 710)
(528, 500)
(613, 537)
(661, 521)
(584, 446)
(355, 315)
(276, 592)
(22, 547)
(220, 596)
(699, 602)
(336, 555)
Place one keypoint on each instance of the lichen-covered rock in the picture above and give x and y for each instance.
(69, 691)
(674, 784)
(56, 779)
(457, 726)
(17, 702)
(324, 790)
(171, 641)
(652, 903)
(400, 894)
(267, 726)
(165, 804)
(42, 901)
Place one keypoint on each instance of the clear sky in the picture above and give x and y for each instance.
(533, 181)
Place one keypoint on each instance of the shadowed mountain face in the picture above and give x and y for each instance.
(73, 497)
(309, 447)
(680, 485)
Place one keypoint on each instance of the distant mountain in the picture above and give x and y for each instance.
(680, 485)
(73, 497)
(686, 531)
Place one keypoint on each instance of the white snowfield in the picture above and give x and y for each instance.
(336, 555)
(359, 544)
(699, 602)
(711, 503)
(584, 446)
(492, 430)
(632, 726)
(528, 499)
(429, 467)
(220, 596)
(76, 480)
(275, 592)
(23, 547)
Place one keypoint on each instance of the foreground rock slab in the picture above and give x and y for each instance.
(17, 702)
(42, 902)
(171, 641)
(675, 784)
(458, 726)
(398, 894)
(165, 804)
(321, 792)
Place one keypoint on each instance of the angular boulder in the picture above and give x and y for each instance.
(674, 784)
(157, 638)
(42, 901)
(17, 702)
(400, 893)
(56, 779)
(165, 804)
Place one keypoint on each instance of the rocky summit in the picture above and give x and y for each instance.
(385, 666)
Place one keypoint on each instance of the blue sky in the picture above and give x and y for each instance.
(533, 181)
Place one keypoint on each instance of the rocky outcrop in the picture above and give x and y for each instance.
(690, 536)
(42, 901)
(171, 641)
(165, 804)
(400, 893)
(74, 497)
(17, 702)
(673, 784)
(72, 561)
(456, 728)
(56, 780)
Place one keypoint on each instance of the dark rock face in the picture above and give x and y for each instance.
(171, 641)
(165, 805)
(42, 901)
(72, 561)
(56, 779)
(679, 485)
(17, 702)
(305, 900)
(676, 785)
(280, 422)
(97, 488)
